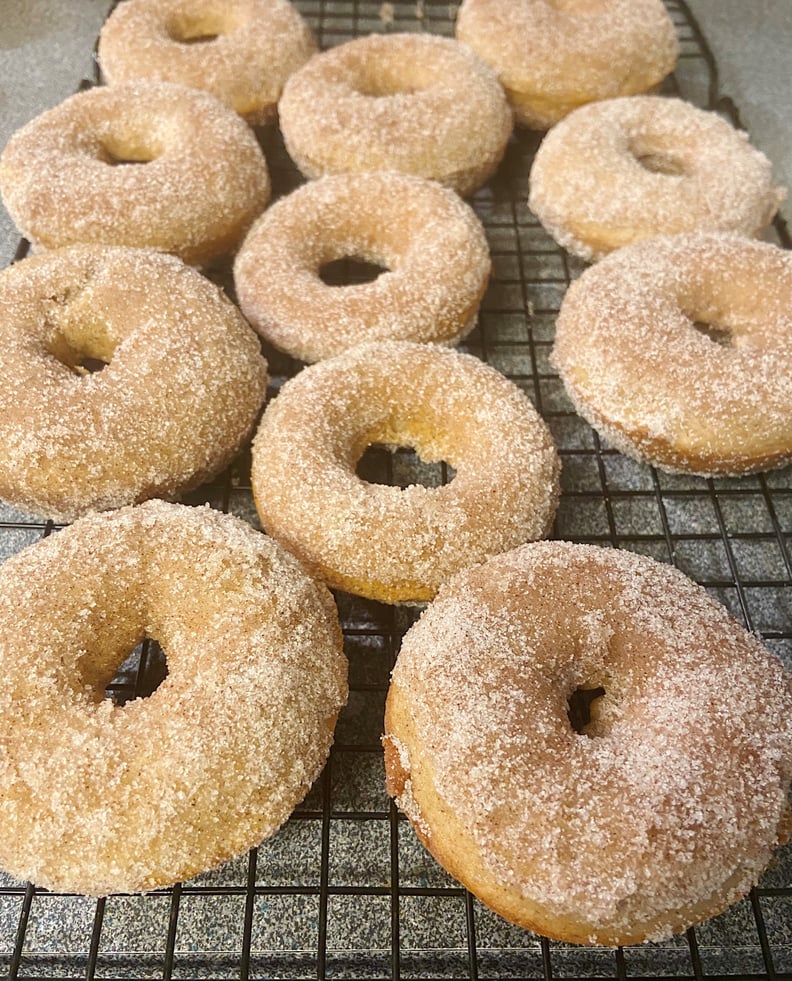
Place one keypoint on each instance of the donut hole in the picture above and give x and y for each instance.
(657, 160)
(401, 466)
(131, 667)
(717, 333)
(117, 152)
(139, 675)
(197, 39)
(198, 27)
(84, 355)
(388, 80)
(350, 271)
(657, 163)
(580, 709)
(113, 161)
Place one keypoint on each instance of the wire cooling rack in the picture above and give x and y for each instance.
(344, 890)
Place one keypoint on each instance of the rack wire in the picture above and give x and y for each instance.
(345, 890)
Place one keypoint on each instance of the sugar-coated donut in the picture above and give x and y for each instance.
(619, 171)
(183, 383)
(659, 811)
(144, 164)
(388, 543)
(98, 798)
(553, 57)
(242, 51)
(414, 103)
(678, 351)
(429, 240)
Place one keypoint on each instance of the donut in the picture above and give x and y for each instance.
(98, 798)
(242, 51)
(679, 352)
(143, 164)
(652, 810)
(431, 243)
(415, 103)
(615, 172)
(553, 57)
(393, 544)
(180, 382)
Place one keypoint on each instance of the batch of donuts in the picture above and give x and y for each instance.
(675, 344)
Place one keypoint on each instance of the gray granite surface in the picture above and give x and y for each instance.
(45, 50)
(752, 44)
(346, 883)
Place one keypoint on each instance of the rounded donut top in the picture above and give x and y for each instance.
(414, 103)
(391, 543)
(618, 171)
(679, 350)
(621, 830)
(142, 164)
(101, 798)
(241, 51)
(430, 243)
(552, 56)
(180, 388)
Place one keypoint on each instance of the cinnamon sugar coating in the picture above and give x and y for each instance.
(143, 164)
(97, 798)
(678, 351)
(430, 242)
(552, 56)
(619, 171)
(241, 51)
(181, 389)
(414, 103)
(658, 813)
(387, 543)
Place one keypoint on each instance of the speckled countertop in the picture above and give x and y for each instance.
(345, 890)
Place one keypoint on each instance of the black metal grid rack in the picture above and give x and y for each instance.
(345, 890)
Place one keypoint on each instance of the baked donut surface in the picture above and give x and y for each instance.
(553, 57)
(180, 391)
(659, 812)
(414, 103)
(430, 242)
(98, 798)
(242, 51)
(619, 171)
(678, 351)
(143, 164)
(389, 543)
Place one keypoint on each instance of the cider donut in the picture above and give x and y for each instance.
(616, 172)
(679, 352)
(552, 57)
(242, 51)
(415, 103)
(431, 243)
(97, 798)
(659, 812)
(180, 393)
(387, 543)
(144, 164)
